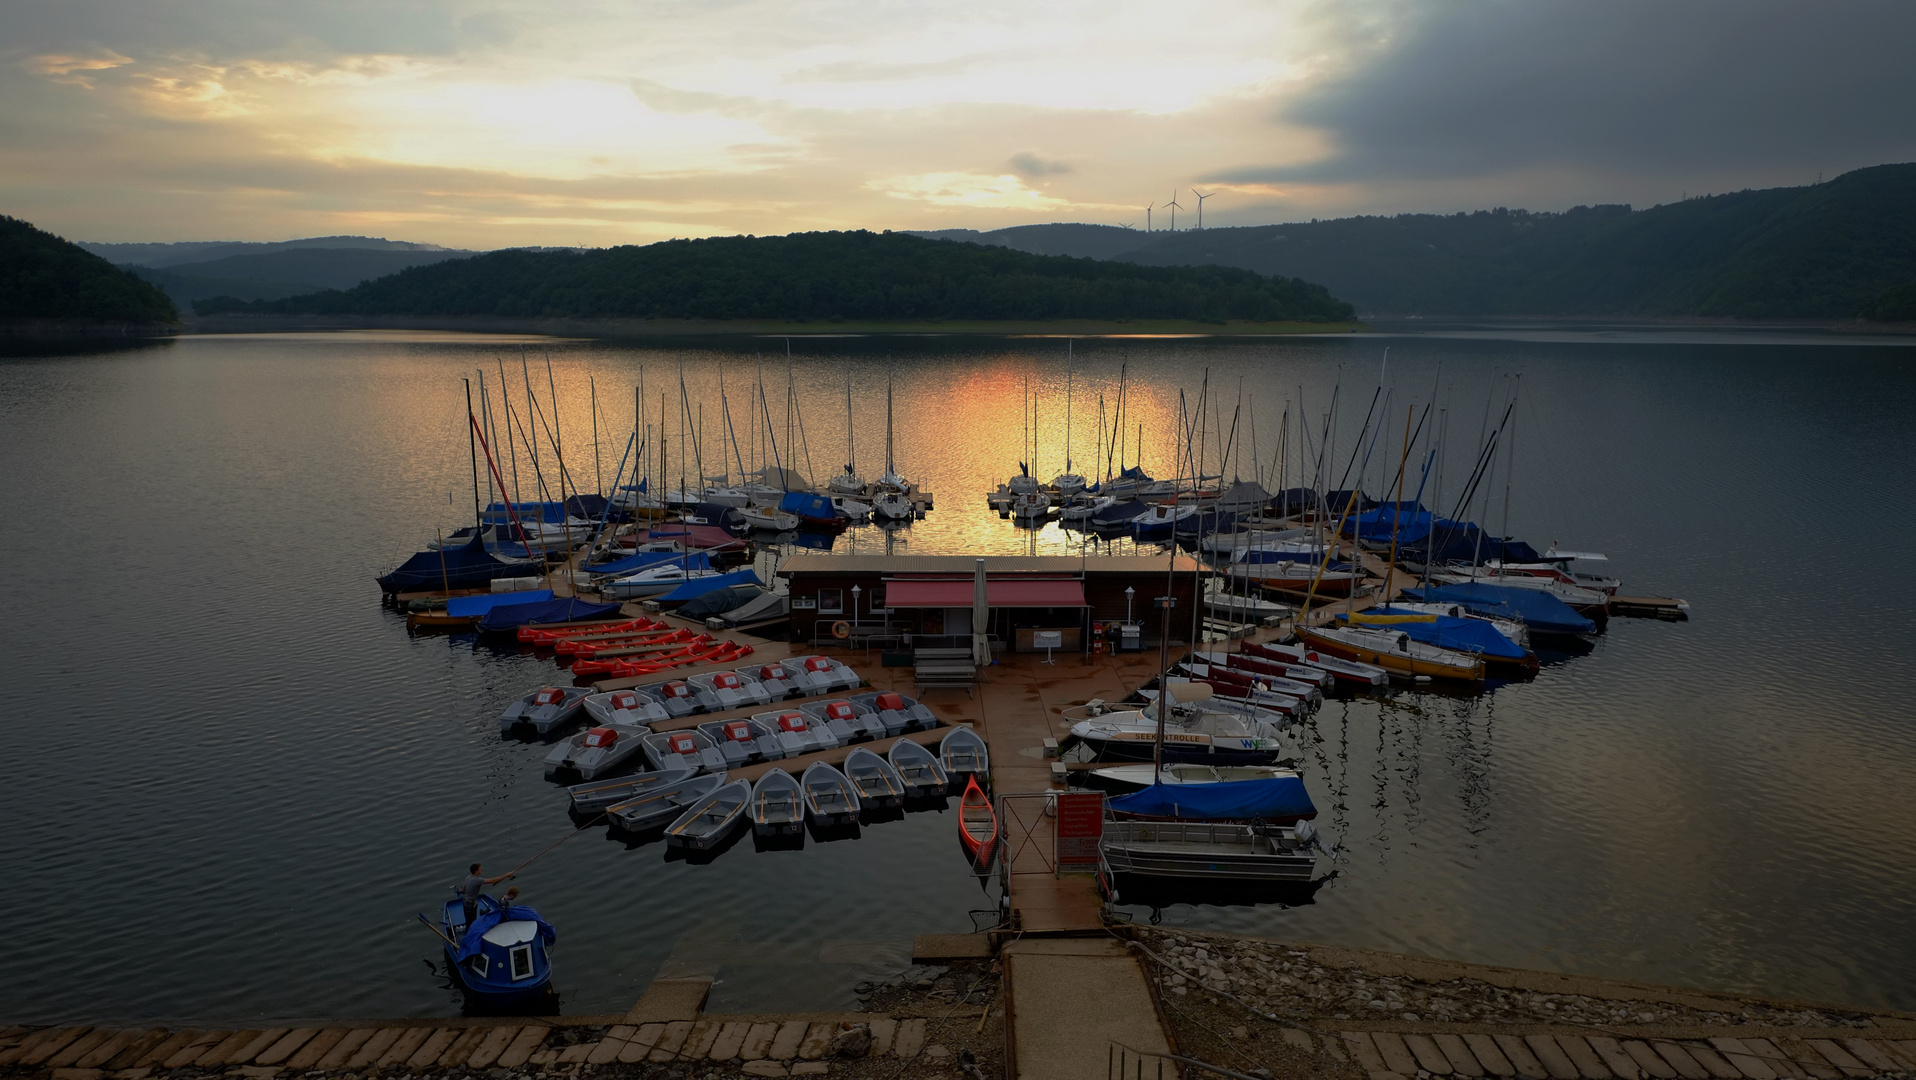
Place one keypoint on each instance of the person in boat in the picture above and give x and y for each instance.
(510, 898)
(475, 886)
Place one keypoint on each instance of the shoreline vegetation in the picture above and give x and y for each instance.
(52, 287)
(623, 327)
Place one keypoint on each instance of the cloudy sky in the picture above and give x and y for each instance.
(486, 123)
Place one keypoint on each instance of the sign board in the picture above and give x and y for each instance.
(804, 603)
(1047, 639)
(1080, 825)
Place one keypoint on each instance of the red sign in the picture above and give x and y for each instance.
(1080, 823)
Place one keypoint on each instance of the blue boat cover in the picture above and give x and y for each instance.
(817, 507)
(1123, 510)
(568, 609)
(464, 606)
(1464, 542)
(458, 567)
(486, 920)
(1410, 523)
(701, 586)
(632, 564)
(1473, 636)
(1539, 610)
(552, 513)
(1278, 799)
(719, 601)
(1334, 501)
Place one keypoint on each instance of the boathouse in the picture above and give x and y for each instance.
(931, 597)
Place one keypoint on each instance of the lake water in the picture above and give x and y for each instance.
(232, 777)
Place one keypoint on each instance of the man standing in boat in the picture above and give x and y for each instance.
(475, 885)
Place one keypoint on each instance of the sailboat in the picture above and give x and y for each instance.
(892, 494)
(848, 483)
(1067, 483)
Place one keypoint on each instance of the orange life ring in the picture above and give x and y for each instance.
(841, 629)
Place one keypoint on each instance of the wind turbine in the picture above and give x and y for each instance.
(1175, 207)
(1147, 217)
(1201, 197)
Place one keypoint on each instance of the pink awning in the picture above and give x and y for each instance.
(1000, 592)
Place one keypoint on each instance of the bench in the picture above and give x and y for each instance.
(934, 668)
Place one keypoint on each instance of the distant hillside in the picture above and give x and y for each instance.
(46, 279)
(1824, 252)
(817, 277)
(290, 271)
(199, 251)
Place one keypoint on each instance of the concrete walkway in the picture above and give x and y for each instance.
(1069, 1000)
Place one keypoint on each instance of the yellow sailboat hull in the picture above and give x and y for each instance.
(1407, 665)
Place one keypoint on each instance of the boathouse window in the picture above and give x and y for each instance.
(521, 962)
(831, 601)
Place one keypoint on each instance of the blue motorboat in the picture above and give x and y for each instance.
(501, 958)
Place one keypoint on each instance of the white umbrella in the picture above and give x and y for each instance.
(980, 612)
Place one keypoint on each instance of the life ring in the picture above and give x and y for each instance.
(841, 629)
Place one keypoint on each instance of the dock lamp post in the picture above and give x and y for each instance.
(1129, 592)
(855, 591)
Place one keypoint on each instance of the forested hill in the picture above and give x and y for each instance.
(1829, 251)
(46, 279)
(823, 276)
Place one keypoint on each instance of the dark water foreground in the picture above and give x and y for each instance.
(231, 777)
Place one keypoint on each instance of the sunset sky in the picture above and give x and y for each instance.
(488, 123)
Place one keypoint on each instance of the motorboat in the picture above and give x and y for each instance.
(1082, 506)
(687, 749)
(1216, 851)
(709, 821)
(892, 506)
(964, 751)
(662, 802)
(877, 782)
(848, 722)
(769, 518)
(898, 712)
(1185, 773)
(743, 742)
(1339, 668)
(596, 752)
(722, 690)
(778, 804)
(1030, 506)
(1393, 650)
(625, 707)
(918, 768)
(1160, 522)
(1211, 735)
(830, 796)
(796, 731)
(821, 675)
(977, 820)
(850, 508)
(501, 956)
(596, 795)
(545, 710)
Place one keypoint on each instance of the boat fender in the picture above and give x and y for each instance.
(841, 629)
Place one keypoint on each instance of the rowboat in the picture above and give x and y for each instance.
(897, 712)
(545, 710)
(778, 804)
(595, 796)
(663, 802)
(877, 782)
(918, 768)
(977, 821)
(596, 752)
(796, 732)
(743, 742)
(1393, 650)
(963, 751)
(439, 620)
(830, 798)
(711, 819)
(693, 750)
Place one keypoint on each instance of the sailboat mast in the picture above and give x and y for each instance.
(472, 451)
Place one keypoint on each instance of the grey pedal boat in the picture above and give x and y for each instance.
(719, 691)
(821, 674)
(877, 782)
(675, 696)
(778, 804)
(545, 710)
(797, 732)
(964, 751)
(599, 794)
(711, 819)
(777, 683)
(663, 803)
(625, 707)
(918, 768)
(743, 742)
(687, 749)
(596, 752)
(830, 797)
(898, 712)
(847, 721)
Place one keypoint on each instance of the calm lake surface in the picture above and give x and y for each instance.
(232, 777)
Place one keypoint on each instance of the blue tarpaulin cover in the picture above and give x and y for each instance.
(701, 586)
(1280, 799)
(1449, 632)
(569, 609)
(1540, 611)
(719, 601)
(1411, 524)
(491, 917)
(458, 567)
(464, 606)
(808, 506)
(632, 564)
(1464, 542)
